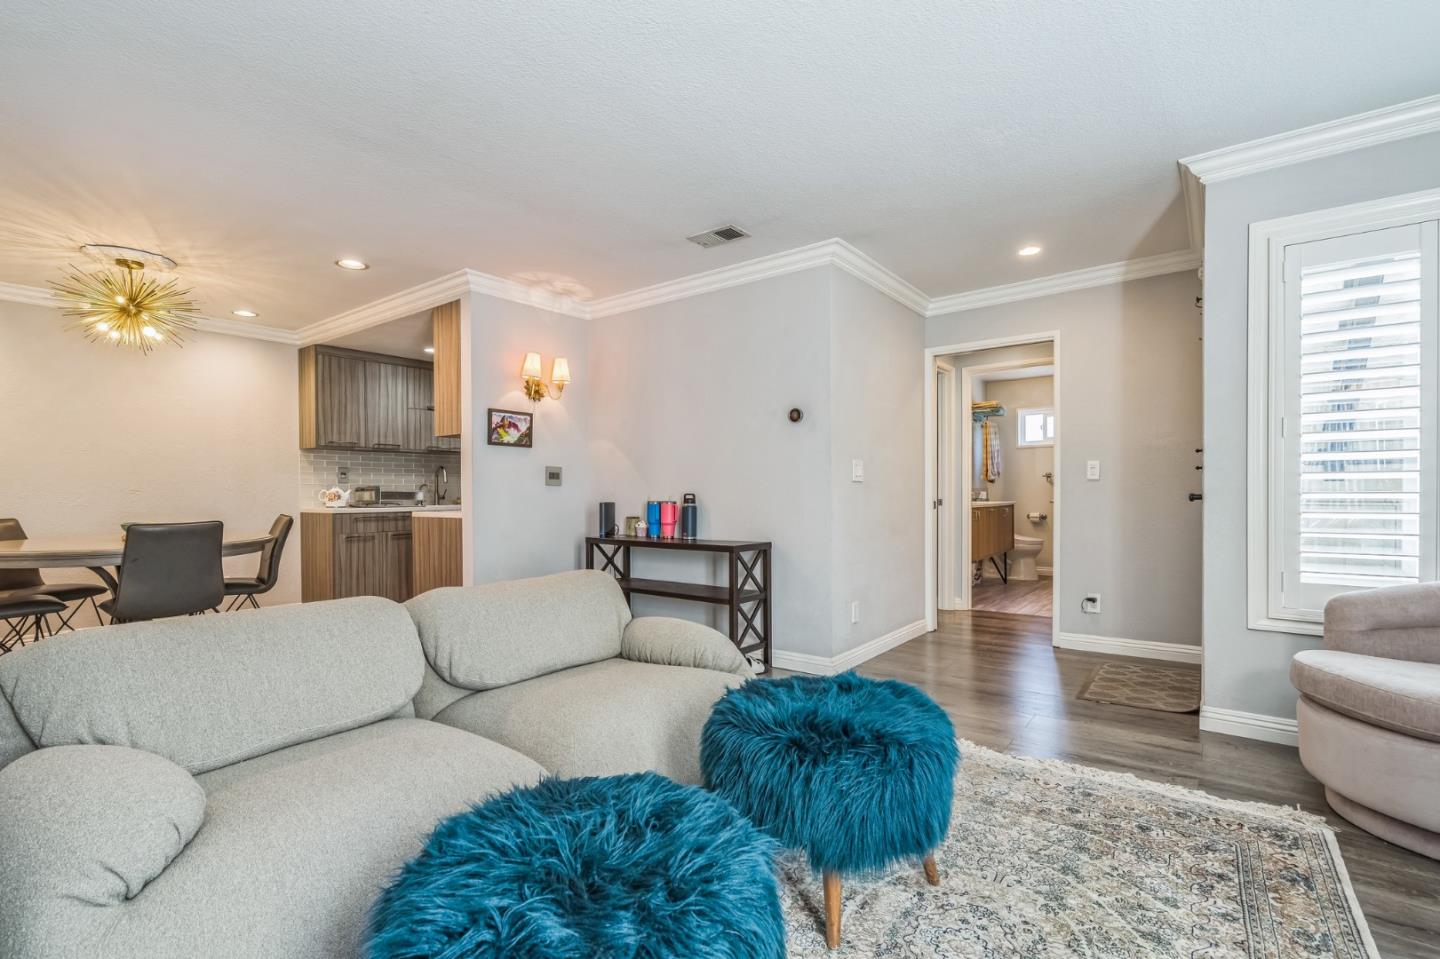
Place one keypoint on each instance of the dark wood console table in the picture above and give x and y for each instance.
(746, 594)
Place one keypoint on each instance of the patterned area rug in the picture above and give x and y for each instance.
(1047, 859)
(1145, 687)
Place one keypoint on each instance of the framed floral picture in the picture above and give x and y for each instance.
(511, 428)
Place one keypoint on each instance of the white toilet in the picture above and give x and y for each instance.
(1022, 558)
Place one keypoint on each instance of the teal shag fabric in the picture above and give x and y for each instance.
(857, 772)
(621, 867)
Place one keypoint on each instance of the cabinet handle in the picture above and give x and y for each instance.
(384, 446)
(344, 443)
(350, 536)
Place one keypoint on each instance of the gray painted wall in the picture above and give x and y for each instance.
(1128, 384)
(877, 415)
(1248, 670)
(692, 396)
(521, 526)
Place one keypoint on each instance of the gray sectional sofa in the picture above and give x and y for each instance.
(244, 784)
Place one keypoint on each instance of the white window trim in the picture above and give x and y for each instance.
(1268, 240)
(1020, 415)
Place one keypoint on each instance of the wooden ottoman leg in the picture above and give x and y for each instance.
(932, 872)
(832, 910)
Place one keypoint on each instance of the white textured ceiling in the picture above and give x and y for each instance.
(256, 142)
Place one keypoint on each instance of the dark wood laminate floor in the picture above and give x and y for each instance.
(1026, 597)
(1007, 688)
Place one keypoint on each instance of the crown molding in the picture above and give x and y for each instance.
(1121, 272)
(832, 252)
(431, 294)
(1193, 193)
(37, 296)
(1398, 122)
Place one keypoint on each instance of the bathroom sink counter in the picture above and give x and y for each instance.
(991, 502)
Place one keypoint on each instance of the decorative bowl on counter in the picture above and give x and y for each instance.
(334, 497)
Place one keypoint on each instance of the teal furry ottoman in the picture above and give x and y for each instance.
(858, 773)
(622, 867)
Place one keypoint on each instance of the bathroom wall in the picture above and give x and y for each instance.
(1022, 469)
(367, 468)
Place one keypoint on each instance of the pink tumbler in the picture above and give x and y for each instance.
(669, 514)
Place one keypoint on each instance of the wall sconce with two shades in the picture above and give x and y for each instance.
(535, 387)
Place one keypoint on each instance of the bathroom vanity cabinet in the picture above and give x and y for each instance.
(992, 531)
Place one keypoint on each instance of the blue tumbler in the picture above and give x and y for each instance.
(652, 519)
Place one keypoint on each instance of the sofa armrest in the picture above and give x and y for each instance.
(1394, 622)
(85, 827)
(679, 642)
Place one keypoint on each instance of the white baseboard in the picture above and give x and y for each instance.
(829, 666)
(1143, 648)
(1233, 722)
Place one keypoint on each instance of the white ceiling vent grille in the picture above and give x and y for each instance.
(718, 236)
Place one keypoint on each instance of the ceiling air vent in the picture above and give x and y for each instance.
(718, 236)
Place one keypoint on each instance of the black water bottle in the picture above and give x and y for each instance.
(607, 519)
(689, 517)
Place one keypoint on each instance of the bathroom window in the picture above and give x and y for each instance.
(1350, 413)
(1037, 427)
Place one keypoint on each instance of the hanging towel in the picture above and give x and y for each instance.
(991, 451)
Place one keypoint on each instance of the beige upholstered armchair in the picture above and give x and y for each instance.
(1369, 712)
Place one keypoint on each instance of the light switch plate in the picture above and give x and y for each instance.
(552, 476)
(1092, 469)
(857, 471)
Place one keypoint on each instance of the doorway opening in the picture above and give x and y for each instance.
(992, 453)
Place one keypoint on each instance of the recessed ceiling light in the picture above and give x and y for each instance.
(350, 264)
(429, 349)
(248, 314)
(1028, 250)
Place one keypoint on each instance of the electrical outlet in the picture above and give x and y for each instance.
(1091, 603)
(857, 471)
(342, 476)
(552, 476)
(855, 611)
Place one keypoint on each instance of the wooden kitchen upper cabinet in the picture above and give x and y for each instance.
(332, 400)
(368, 401)
(445, 337)
(386, 405)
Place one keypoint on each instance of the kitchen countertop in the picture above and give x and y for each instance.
(992, 502)
(451, 508)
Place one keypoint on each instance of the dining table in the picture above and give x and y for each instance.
(98, 552)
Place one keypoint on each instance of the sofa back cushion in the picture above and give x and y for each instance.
(481, 637)
(208, 691)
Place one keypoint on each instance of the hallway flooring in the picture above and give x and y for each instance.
(1007, 688)
(1023, 597)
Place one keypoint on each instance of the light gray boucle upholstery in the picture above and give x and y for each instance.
(295, 847)
(83, 829)
(14, 741)
(1397, 622)
(481, 637)
(208, 691)
(1391, 693)
(679, 642)
(601, 719)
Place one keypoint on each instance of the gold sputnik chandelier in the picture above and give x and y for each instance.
(123, 305)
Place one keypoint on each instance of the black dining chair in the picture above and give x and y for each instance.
(168, 569)
(16, 580)
(242, 592)
(23, 611)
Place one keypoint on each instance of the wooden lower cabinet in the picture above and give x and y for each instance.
(351, 553)
(395, 555)
(438, 560)
(992, 531)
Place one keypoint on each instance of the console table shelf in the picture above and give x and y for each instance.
(746, 594)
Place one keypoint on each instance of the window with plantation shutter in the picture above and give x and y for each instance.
(1353, 428)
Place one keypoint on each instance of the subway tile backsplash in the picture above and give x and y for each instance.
(369, 468)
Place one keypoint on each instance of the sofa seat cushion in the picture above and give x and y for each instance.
(1392, 693)
(297, 844)
(601, 719)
